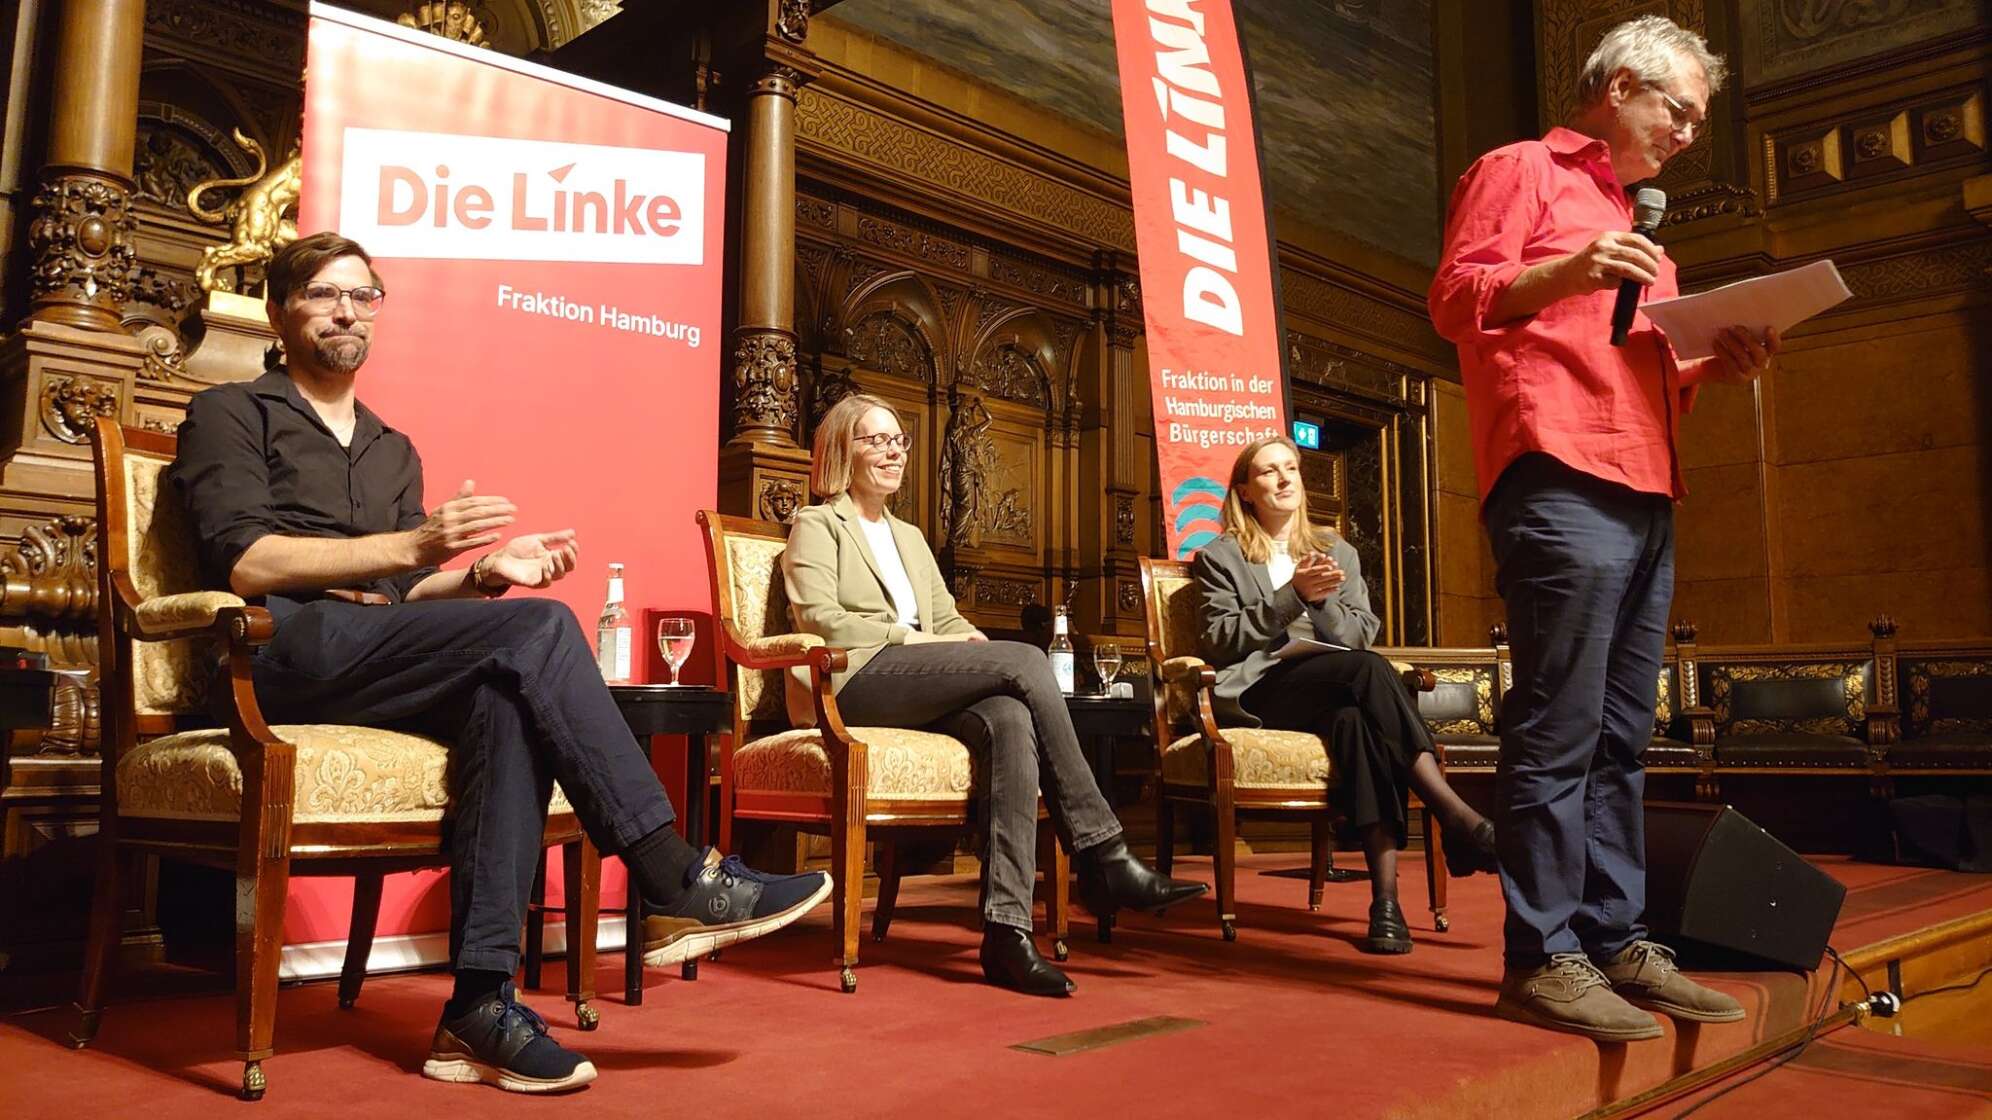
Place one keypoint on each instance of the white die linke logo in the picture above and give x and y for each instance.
(443, 196)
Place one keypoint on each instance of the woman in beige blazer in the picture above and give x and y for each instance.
(1273, 578)
(867, 583)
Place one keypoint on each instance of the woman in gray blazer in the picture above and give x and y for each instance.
(1275, 579)
(867, 583)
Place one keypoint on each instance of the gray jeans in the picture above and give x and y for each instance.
(1001, 699)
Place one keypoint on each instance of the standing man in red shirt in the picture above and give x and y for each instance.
(1574, 446)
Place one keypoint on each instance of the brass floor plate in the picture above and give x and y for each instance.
(1059, 1045)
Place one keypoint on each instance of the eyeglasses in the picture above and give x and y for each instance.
(1684, 120)
(882, 440)
(323, 297)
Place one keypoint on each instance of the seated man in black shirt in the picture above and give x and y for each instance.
(301, 498)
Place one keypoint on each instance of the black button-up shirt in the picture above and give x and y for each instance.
(255, 459)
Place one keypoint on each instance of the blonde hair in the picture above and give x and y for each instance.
(1306, 539)
(1648, 47)
(830, 459)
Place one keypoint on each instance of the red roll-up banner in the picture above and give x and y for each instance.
(1201, 233)
(551, 250)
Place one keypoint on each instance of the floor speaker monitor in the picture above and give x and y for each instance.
(1725, 893)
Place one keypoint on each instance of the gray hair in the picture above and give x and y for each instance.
(1648, 47)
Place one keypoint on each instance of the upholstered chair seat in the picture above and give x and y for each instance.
(1261, 759)
(902, 765)
(343, 775)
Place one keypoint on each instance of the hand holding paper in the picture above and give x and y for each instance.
(1776, 302)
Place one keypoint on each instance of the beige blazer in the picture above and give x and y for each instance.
(835, 592)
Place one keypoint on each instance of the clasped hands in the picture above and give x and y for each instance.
(471, 520)
(1618, 255)
(1316, 578)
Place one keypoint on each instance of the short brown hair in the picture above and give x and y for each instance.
(830, 463)
(293, 266)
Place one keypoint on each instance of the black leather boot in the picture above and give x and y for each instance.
(1111, 878)
(1010, 960)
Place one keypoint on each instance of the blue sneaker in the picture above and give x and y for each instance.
(503, 1042)
(726, 902)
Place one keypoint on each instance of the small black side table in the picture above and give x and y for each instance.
(1100, 720)
(698, 714)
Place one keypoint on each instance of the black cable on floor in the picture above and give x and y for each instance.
(1818, 1018)
(1961, 986)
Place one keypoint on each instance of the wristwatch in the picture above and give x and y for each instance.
(474, 576)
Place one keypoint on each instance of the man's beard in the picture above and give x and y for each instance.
(341, 353)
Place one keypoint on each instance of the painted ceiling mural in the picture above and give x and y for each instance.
(1344, 87)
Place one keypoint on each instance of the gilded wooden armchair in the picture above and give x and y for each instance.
(264, 802)
(1234, 770)
(885, 784)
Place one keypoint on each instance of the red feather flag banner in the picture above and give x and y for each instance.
(1208, 289)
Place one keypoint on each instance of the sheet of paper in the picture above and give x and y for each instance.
(1303, 647)
(1781, 300)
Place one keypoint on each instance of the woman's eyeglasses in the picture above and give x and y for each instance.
(882, 440)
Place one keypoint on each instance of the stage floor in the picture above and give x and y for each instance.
(1291, 1020)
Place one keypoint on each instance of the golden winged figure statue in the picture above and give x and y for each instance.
(260, 219)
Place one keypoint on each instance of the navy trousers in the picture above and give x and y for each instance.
(514, 689)
(1586, 569)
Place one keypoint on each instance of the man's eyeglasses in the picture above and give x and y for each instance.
(882, 440)
(323, 297)
(1684, 120)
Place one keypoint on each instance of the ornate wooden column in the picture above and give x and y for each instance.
(1123, 459)
(71, 361)
(81, 236)
(763, 471)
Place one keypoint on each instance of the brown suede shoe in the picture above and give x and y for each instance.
(1645, 975)
(1570, 994)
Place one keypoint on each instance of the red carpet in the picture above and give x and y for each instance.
(1297, 1023)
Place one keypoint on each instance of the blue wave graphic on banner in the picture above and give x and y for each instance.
(1197, 500)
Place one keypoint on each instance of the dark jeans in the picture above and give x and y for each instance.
(513, 687)
(1586, 568)
(1001, 699)
(1355, 701)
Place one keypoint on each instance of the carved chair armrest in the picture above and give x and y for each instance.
(1194, 671)
(1701, 726)
(1402, 659)
(776, 651)
(165, 617)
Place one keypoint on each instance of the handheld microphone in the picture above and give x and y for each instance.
(1648, 207)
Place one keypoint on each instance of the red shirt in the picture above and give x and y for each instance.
(1552, 381)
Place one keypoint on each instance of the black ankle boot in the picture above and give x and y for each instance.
(1473, 852)
(1010, 960)
(1111, 878)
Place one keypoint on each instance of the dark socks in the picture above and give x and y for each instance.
(658, 863)
(473, 986)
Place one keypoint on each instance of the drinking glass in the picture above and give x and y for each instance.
(674, 641)
(1107, 664)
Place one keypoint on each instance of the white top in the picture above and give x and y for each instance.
(878, 534)
(1279, 571)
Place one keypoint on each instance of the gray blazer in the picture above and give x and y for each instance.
(1245, 621)
(835, 592)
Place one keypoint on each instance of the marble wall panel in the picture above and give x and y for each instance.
(1914, 512)
(1725, 611)
(1909, 390)
(1719, 530)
